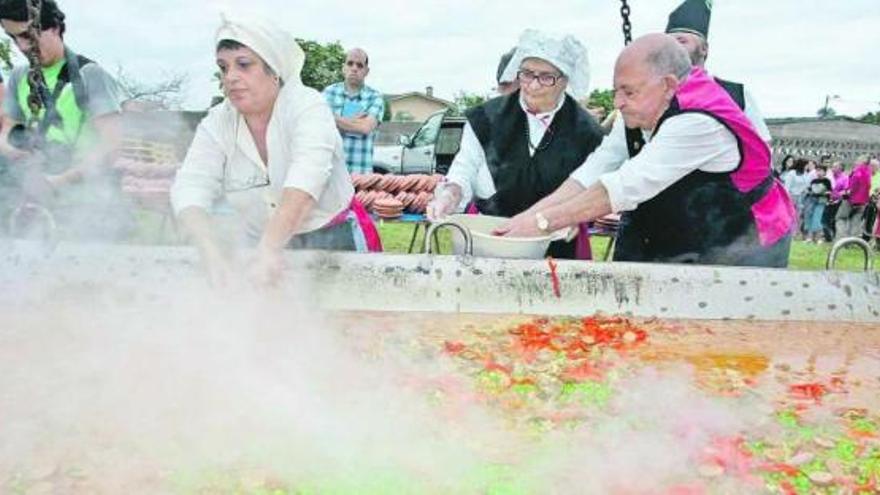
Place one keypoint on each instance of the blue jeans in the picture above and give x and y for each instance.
(813, 217)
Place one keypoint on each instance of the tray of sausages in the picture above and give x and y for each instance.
(413, 192)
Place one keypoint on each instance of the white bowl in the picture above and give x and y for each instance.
(491, 246)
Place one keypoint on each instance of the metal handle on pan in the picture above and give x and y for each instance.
(465, 232)
(846, 241)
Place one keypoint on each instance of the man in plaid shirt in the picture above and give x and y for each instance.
(358, 109)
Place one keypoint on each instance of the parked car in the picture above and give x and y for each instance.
(429, 150)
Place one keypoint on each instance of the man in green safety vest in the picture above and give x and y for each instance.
(60, 148)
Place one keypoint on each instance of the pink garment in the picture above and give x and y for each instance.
(371, 233)
(583, 250)
(774, 213)
(841, 184)
(860, 185)
(368, 228)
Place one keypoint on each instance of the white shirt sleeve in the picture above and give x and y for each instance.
(469, 169)
(310, 135)
(684, 143)
(608, 157)
(753, 112)
(199, 181)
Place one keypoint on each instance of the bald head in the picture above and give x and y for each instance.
(356, 68)
(358, 53)
(660, 53)
(646, 77)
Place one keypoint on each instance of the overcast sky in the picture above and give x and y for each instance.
(790, 53)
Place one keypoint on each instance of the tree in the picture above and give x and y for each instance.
(323, 65)
(387, 115)
(871, 118)
(826, 113)
(602, 98)
(465, 101)
(167, 94)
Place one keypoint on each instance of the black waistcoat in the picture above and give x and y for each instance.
(702, 218)
(521, 180)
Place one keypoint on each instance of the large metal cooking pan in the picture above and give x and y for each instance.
(465, 284)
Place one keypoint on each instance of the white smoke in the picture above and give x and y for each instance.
(104, 389)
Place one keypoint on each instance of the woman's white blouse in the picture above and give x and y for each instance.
(304, 152)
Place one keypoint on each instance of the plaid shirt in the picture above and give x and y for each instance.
(358, 147)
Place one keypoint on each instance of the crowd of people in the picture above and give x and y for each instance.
(834, 200)
(685, 157)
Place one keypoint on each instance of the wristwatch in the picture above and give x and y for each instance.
(543, 223)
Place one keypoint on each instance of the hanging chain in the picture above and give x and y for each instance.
(627, 26)
(36, 82)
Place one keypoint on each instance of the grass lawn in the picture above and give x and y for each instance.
(804, 256)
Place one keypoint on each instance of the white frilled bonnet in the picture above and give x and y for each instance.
(566, 53)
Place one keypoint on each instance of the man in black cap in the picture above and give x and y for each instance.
(689, 25)
(61, 152)
(505, 87)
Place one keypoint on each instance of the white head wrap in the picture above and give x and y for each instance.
(275, 46)
(567, 54)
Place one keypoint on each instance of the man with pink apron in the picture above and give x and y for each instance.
(698, 188)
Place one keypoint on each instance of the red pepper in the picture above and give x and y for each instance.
(787, 488)
(454, 347)
(554, 278)
(589, 321)
(523, 381)
(575, 347)
(860, 434)
(580, 373)
(491, 365)
(780, 467)
(808, 391)
(870, 486)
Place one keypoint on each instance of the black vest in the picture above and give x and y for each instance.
(521, 180)
(736, 91)
(58, 155)
(702, 218)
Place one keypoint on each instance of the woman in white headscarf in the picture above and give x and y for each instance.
(270, 150)
(517, 148)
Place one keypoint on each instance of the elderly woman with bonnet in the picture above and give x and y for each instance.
(272, 153)
(519, 147)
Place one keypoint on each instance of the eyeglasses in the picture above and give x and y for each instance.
(237, 185)
(544, 78)
(352, 63)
